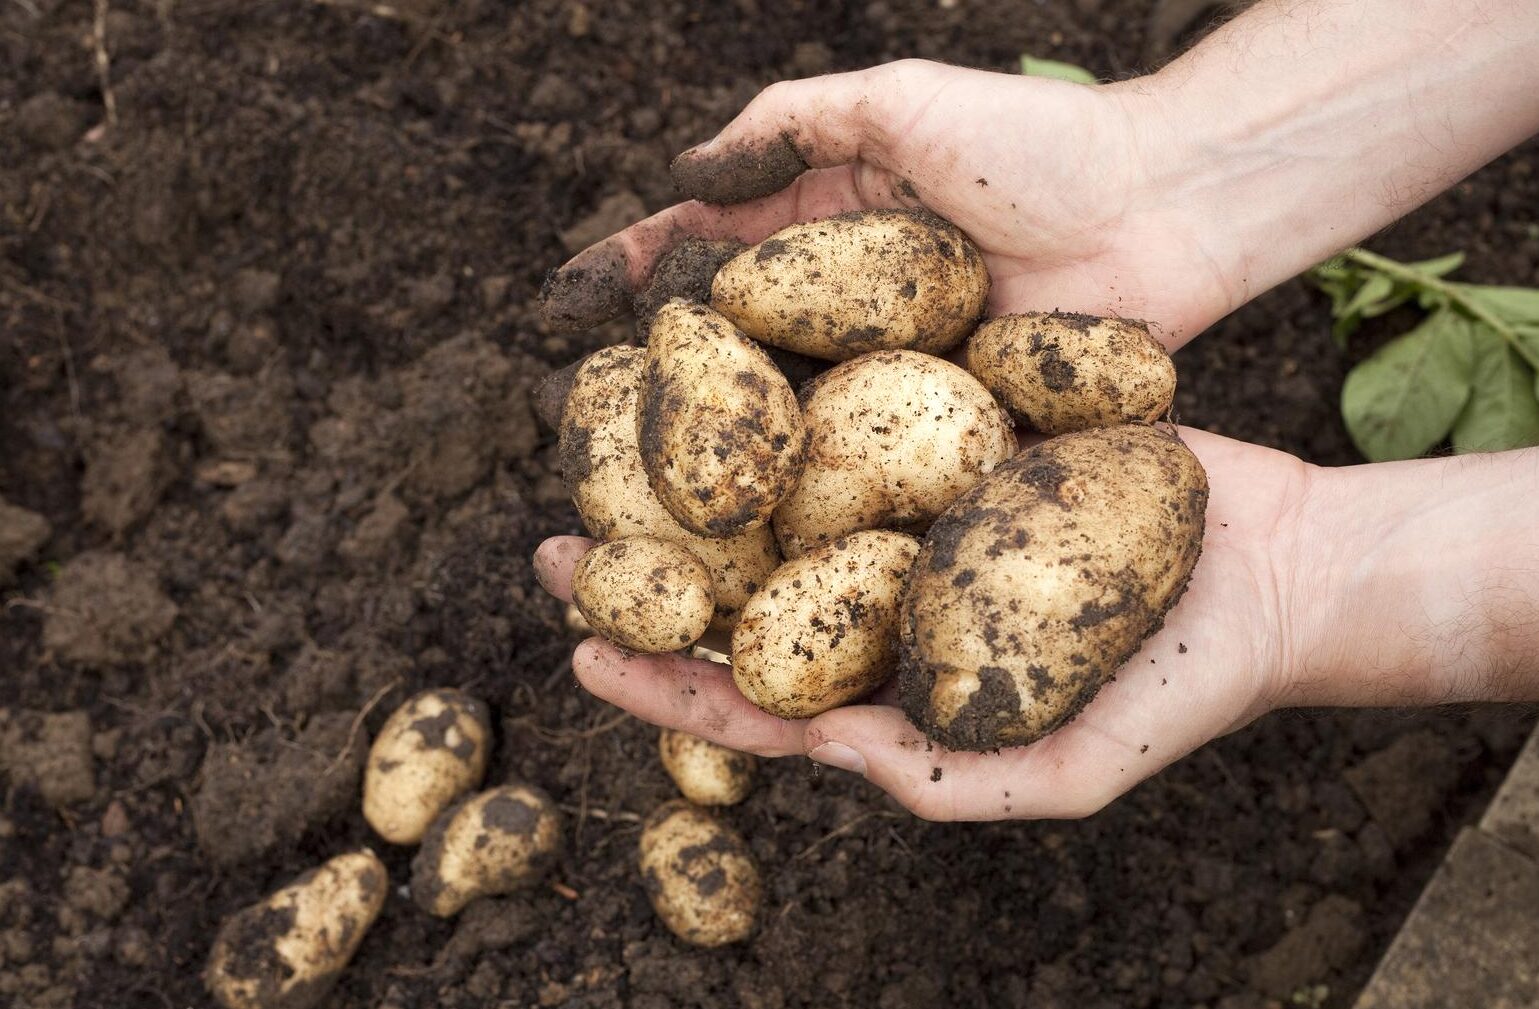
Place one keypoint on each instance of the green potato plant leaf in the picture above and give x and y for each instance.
(1033, 66)
(1404, 399)
(1503, 410)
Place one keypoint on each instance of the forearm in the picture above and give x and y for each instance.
(1303, 126)
(1420, 583)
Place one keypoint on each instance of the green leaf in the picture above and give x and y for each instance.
(1503, 411)
(1377, 288)
(1442, 266)
(1033, 66)
(1404, 399)
(1511, 304)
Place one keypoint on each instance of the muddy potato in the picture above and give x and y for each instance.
(496, 842)
(895, 437)
(644, 594)
(1033, 589)
(720, 431)
(707, 773)
(823, 630)
(862, 281)
(701, 878)
(288, 950)
(601, 462)
(1061, 372)
(431, 750)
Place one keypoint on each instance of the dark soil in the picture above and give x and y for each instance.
(269, 341)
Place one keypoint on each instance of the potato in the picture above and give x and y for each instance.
(496, 842)
(823, 630)
(1034, 588)
(644, 594)
(895, 438)
(707, 773)
(1061, 372)
(700, 876)
(288, 950)
(601, 462)
(861, 281)
(720, 431)
(430, 750)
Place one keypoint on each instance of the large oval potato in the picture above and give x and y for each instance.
(707, 773)
(288, 950)
(601, 462)
(895, 437)
(1061, 372)
(700, 875)
(823, 630)
(492, 843)
(431, 750)
(644, 593)
(1034, 588)
(862, 281)
(720, 431)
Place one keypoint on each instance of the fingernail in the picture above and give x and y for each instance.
(846, 758)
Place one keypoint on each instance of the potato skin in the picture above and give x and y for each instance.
(699, 874)
(644, 593)
(896, 436)
(707, 773)
(720, 430)
(858, 282)
(601, 463)
(430, 750)
(1061, 372)
(1034, 588)
(496, 842)
(824, 628)
(286, 951)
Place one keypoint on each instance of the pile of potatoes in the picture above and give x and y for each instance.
(881, 519)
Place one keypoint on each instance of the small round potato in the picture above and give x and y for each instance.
(1061, 372)
(496, 842)
(601, 462)
(288, 950)
(701, 878)
(707, 773)
(721, 434)
(1039, 584)
(644, 594)
(430, 751)
(824, 628)
(862, 281)
(895, 438)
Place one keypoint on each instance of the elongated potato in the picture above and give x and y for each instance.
(1034, 588)
(823, 630)
(644, 594)
(720, 431)
(1061, 372)
(496, 842)
(700, 875)
(601, 462)
(287, 951)
(862, 281)
(431, 750)
(707, 773)
(895, 438)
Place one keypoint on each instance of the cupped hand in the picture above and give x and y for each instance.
(1071, 191)
(1224, 656)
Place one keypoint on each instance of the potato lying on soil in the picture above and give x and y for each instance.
(1061, 372)
(895, 437)
(720, 431)
(862, 281)
(431, 750)
(1033, 589)
(287, 951)
(644, 593)
(823, 630)
(701, 878)
(707, 773)
(496, 842)
(601, 462)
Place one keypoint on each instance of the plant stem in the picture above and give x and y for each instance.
(1453, 291)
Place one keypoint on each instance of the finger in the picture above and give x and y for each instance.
(683, 693)
(554, 560)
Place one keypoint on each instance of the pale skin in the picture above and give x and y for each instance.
(1296, 130)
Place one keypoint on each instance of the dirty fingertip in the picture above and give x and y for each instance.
(591, 288)
(722, 173)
